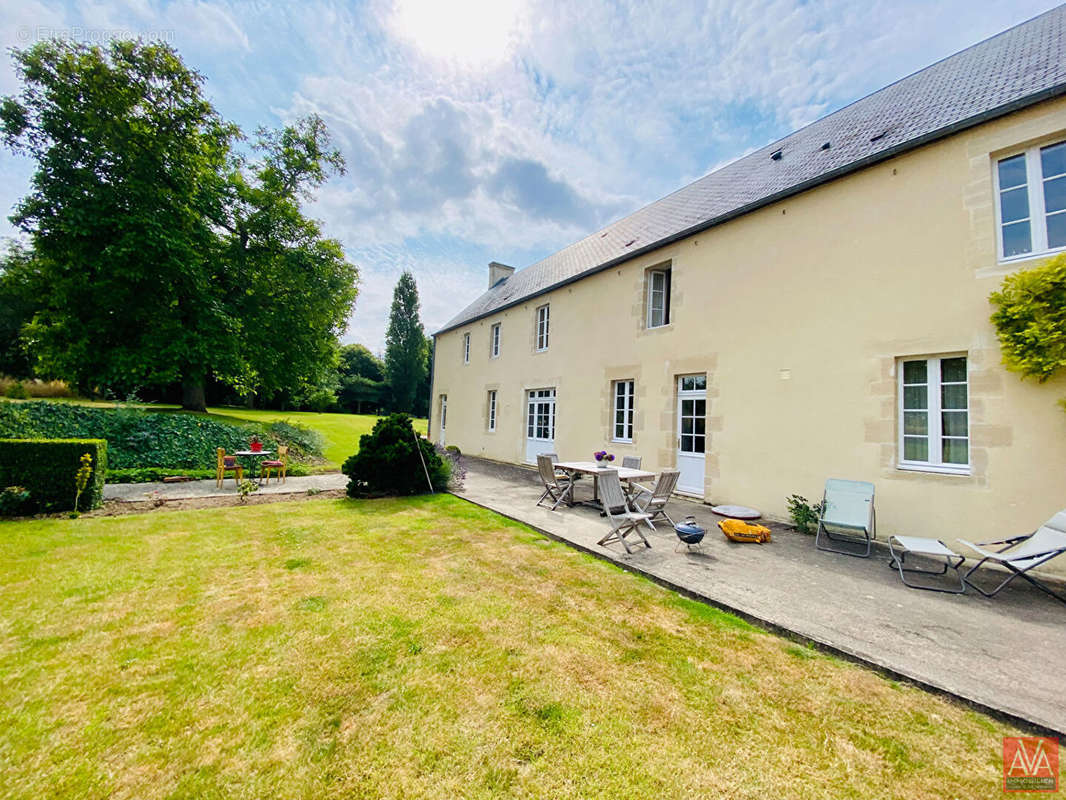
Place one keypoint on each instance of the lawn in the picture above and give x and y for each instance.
(422, 648)
(341, 431)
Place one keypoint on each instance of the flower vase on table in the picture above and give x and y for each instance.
(603, 458)
(256, 445)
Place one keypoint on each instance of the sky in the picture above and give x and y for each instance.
(505, 130)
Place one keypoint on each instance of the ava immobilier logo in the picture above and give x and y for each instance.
(1030, 764)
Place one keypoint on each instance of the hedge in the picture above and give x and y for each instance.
(46, 467)
(138, 439)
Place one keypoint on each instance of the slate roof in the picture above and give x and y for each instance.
(1014, 69)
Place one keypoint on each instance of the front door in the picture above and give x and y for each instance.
(540, 423)
(691, 433)
(443, 418)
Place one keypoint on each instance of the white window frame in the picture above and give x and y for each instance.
(626, 408)
(666, 274)
(466, 348)
(1034, 181)
(540, 404)
(934, 431)
(492, 410)
(494, 341)
(543, 329)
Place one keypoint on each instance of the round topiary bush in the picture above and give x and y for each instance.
(388, 461)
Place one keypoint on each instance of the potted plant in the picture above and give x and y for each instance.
(603, 458)
(257, 446)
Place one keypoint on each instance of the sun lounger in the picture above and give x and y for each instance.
(1021, 554)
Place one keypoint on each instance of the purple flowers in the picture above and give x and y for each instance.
(603, 455)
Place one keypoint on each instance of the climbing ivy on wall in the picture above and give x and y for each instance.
(1030, 320)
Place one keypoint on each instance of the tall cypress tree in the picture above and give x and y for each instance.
(405, 345)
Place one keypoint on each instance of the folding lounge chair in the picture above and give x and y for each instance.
(556, 488)
(929, 550)
(1023, 553)
(623, 520)
(848, 521)
(653, 501)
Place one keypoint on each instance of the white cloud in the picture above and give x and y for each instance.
(508, 129)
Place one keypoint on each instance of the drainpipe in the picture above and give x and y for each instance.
(432, 390)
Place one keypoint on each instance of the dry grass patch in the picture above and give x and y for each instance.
(425, 648)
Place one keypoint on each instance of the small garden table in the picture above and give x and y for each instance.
(258, 455)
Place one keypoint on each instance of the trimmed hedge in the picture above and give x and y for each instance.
(139, 439)
(46, 467)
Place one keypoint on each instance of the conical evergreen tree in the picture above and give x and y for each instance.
(405, 345)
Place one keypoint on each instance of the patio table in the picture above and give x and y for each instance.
(592, 468)
(256, 454)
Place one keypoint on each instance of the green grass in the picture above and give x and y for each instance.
(341, 431)
(422, 648)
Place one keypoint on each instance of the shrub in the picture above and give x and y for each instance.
(35, 388)
(154, 474)
(1030, 319)
(453, 460)
(803, 513)
(303, 442)
(245, 488)
(47, 468)
(38, 388)
(139, 439)
(388, 461)
(14, 500)
(17, 391)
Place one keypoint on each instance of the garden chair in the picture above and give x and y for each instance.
(653, 501)
(280, 465)
(556, 488)
(1023, 553)
(847, 524)
(623, 520)
(631, 462)
(225, 464)
(558, 472)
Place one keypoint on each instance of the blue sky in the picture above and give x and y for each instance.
(505, 130)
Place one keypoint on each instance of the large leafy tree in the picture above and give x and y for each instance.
(405, 345)
(160, 256)
(361, 376)
(17, 306)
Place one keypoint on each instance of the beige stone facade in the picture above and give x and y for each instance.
(798, 314)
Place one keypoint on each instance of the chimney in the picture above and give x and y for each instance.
(499, 272)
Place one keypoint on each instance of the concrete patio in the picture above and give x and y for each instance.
(1000, 654)
(135, 492)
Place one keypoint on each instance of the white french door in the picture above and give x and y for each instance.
(691, 433)
(443, 418)
(540, 423)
